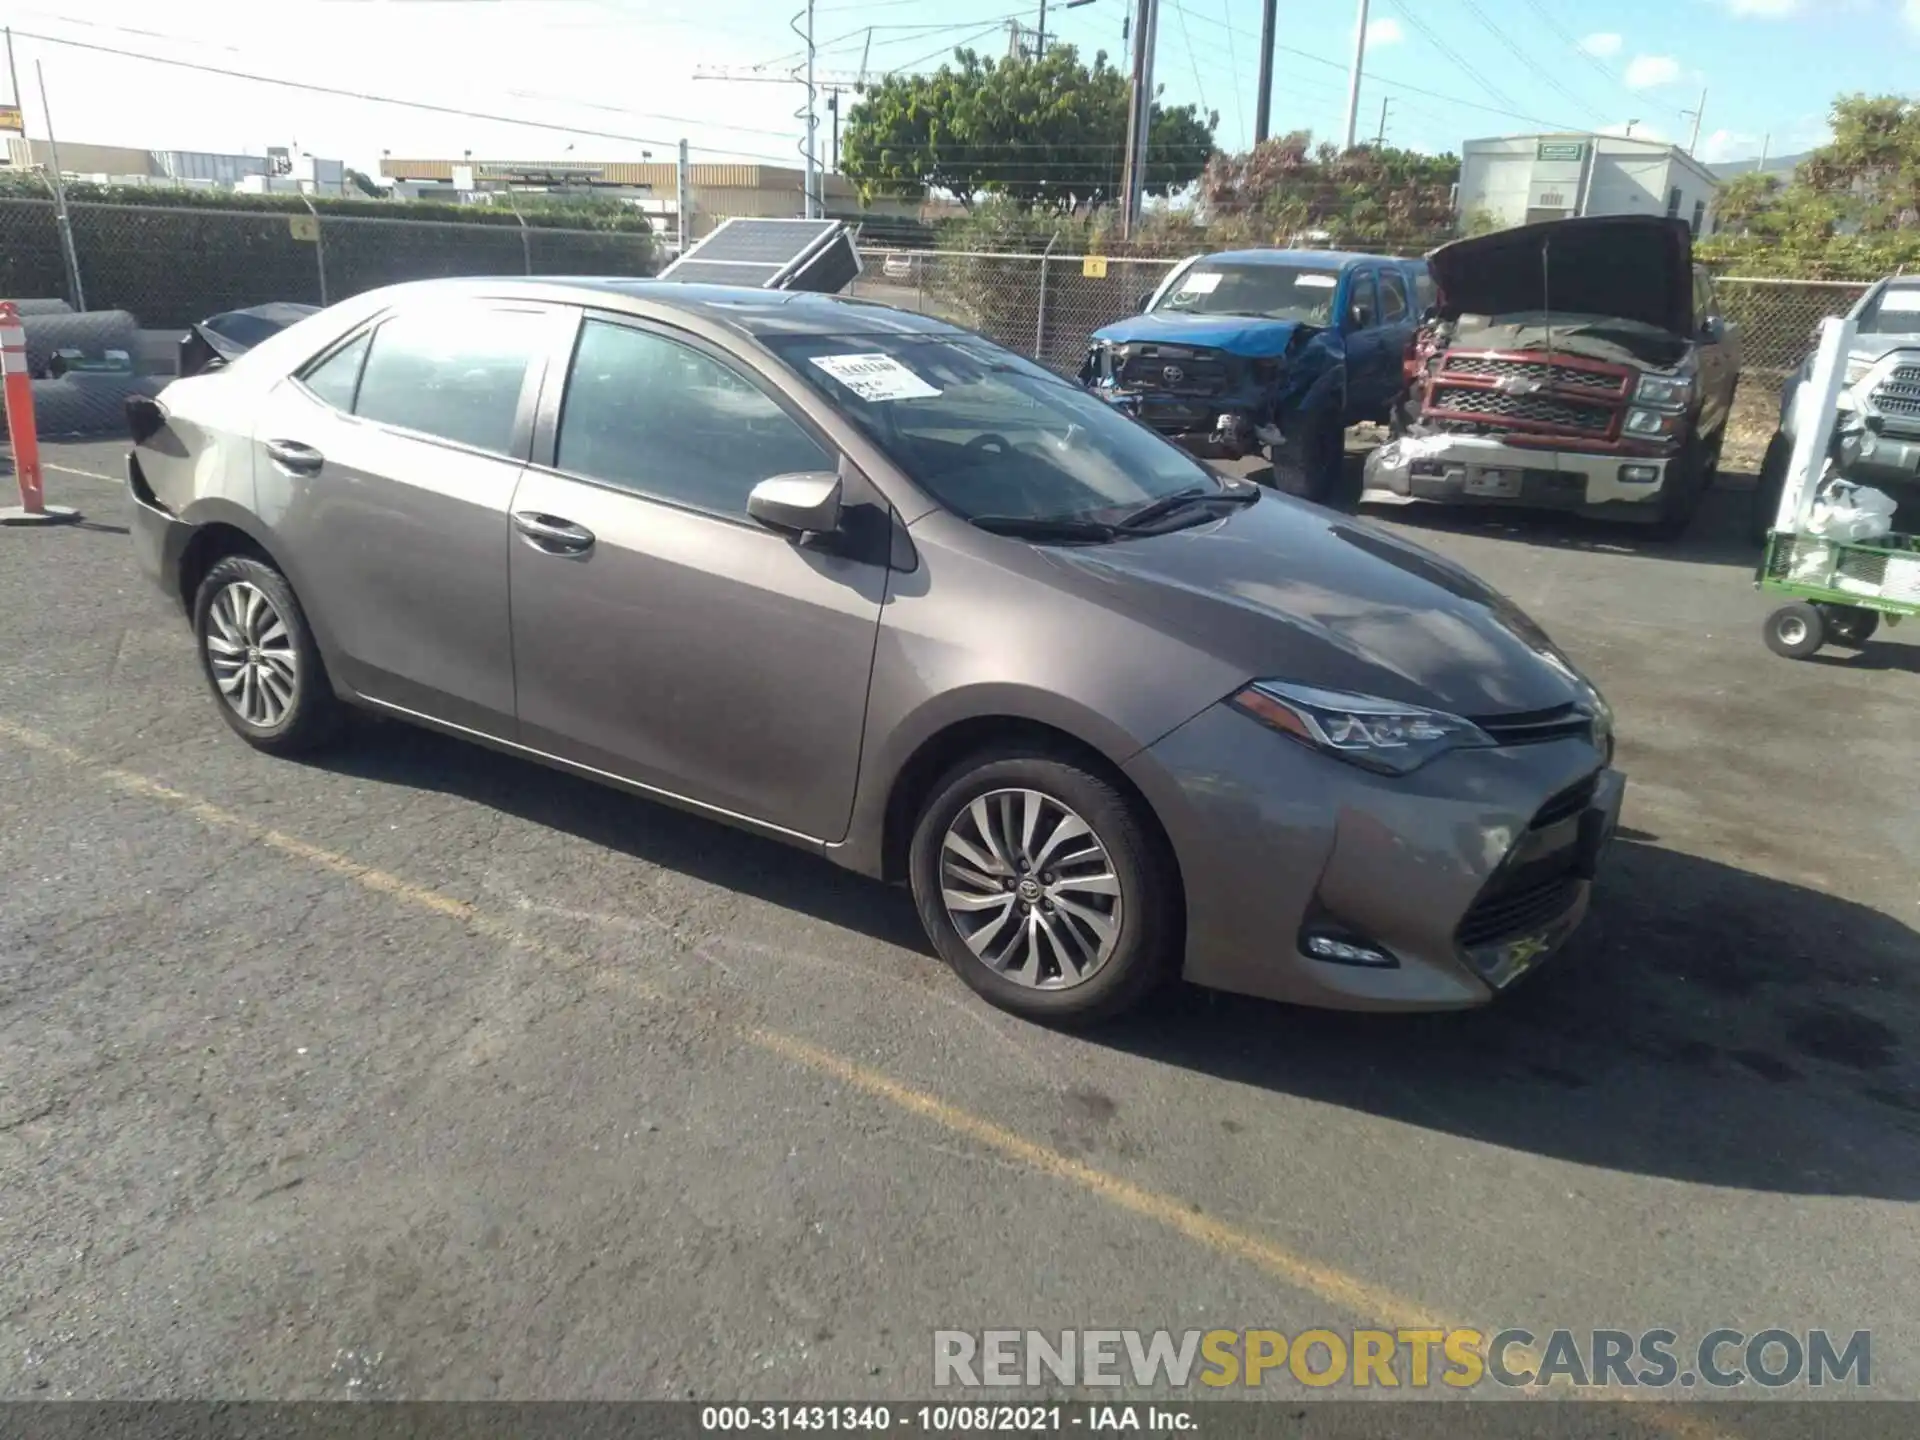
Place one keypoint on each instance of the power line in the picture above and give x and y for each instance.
(1233, 57)
(1543, 72)
(1585, 54)
(1186, 38)
(1447, 50)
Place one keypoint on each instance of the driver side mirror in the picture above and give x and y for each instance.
(1713, 329)
(807, 503)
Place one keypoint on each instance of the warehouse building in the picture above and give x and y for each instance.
(1520, 179)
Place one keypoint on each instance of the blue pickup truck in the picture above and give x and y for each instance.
(1269, 351)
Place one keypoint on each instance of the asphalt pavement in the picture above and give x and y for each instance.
(416, 1071)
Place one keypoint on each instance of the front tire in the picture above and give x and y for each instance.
(260, 660)
(1045, 887)
(1681, 493)
(1323, 463)
(1797, 630)
(1851, 627)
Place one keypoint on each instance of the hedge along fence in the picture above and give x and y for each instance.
(174, 264)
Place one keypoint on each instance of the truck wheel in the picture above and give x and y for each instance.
(1797, 630)
(1851, 627)
(1323, 465)
(1768, 488)
(1679, 499)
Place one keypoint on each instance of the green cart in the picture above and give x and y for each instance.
(1841, 589)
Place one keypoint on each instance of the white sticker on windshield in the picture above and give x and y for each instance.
(1899, 302)
(875, 376)
(1315, 282)
(1200, 284)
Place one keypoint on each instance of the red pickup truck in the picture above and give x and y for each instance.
(1575, 365)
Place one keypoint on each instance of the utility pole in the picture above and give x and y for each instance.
(19, 100)
(1380, 140)
(1040, 33)
(683, 199)
(1139, 115)
(833, 109)
(1694, 143)
(60, 217)
(1359, 64)
(813, 122)
(1766, 141)
(1263, 105)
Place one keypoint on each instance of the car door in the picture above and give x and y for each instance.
(1398, 318)
(659, 634)
(1365, 345)
(384, 468)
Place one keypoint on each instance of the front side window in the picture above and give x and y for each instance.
(1363, 308)
(1270, 292)
(661, 418)
(989, 434)
(1393, 297)
(454, 372)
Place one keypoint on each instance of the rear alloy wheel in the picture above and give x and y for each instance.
(260, 659)
(1038, 882)
(1797, 630)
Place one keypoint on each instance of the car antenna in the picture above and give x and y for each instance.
(1546, 295)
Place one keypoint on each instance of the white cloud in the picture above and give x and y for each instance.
(1724, 145)
(1606, 43)
(1768, 9)
(1646, 71)
(1911, 12)
(1388, 31)
(1641, 131)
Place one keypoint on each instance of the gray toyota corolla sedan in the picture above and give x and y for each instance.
(867, 583)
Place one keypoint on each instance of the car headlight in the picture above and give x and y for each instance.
(1663, 391)
(1652, 424)
(1380, 735)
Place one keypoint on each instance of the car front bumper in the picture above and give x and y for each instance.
(1214, 427)
(1466, 874)
(1479, 470)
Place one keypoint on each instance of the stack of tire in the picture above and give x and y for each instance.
(78, 404)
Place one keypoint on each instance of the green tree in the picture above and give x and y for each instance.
(1047, 133)
(1365, 196)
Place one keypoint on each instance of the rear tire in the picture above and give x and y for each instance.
(1059, 940)
(1851, 627)
(1323, 463)
(1797, 630)
(260, 660)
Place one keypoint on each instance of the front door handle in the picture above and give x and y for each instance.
(292, 456)
(552, 534)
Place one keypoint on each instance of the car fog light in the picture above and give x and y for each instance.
(1345, 951)
(1639, 474)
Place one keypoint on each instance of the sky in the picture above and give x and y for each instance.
(612, 79)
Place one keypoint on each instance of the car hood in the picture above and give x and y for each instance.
(1286, 590)
(1635, 267)
(1246, 335)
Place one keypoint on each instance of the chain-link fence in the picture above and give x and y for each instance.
(1044, 306)
(171, 266)
(1047, 306)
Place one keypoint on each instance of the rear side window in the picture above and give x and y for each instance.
(663, 419)
(1393, 297)
(336, 378)
(451, 373)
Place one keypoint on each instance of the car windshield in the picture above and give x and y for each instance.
(1895, 312)
(989, 434)
(1273, 292)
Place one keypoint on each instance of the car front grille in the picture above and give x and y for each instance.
(1515, 913)
(1486, 367)
(1545, 410)
(1568, 803)
(1533, 727)
(1173, 370)
(1899, 393)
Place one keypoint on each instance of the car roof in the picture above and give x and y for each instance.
(736, 307)
(1332, 259)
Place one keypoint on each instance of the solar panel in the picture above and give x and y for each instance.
(815, 255)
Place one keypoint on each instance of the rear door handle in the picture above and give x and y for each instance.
(552, 534)
(292, 455)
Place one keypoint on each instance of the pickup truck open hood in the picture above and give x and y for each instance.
(1245, 335)
(1632, 267)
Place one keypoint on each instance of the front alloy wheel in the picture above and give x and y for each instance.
(251, 653)
(1030, 889)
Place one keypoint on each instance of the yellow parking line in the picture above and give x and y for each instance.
(1185, 1218)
